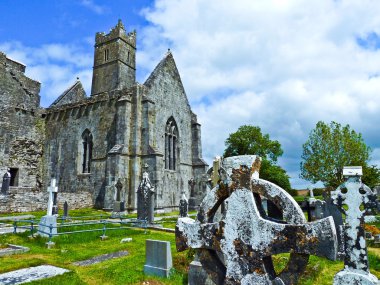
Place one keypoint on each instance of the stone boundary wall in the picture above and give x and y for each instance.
(26, 199)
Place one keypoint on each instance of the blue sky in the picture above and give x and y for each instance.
(282, 65)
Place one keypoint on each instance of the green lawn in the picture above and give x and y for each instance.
(129, 269)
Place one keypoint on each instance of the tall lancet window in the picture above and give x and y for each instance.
(86, 151)
(171, 141)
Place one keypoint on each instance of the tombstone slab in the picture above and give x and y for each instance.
(158, 258)
(26, 275)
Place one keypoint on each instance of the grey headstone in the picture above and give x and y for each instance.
(65, 209)
(197, 275)
(122, 206)
(158, 258)
(116, 206)
(6, 183)
(47, 225)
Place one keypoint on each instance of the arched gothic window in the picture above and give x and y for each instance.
(171, 141)
(86, 151)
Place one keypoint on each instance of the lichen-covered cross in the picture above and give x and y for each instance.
(349, 197)
(246, 240)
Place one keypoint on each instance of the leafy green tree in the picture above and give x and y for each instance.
(275, 174)
(328, 149)
(249, 140)
(371, 176)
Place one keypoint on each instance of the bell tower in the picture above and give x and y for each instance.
(114, 60)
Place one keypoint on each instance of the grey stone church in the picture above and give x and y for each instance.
(88, 143)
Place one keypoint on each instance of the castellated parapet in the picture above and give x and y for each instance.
(116, 32)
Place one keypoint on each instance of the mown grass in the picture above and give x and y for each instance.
(129, 269)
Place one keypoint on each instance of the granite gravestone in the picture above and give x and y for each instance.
(65, 209)
(158, 258)
(6, 182)
(145, 200)
(353, 193)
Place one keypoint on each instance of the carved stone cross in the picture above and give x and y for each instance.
(119, 187)
(353, 193)
(238, 248)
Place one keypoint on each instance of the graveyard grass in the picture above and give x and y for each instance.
(129, 269)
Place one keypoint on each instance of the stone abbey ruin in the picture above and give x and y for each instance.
(90, 143)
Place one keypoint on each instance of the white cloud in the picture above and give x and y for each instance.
(97, 9)
(281, 65)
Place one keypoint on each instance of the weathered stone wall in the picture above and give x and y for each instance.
(64, 143)
(21, 125)
(26, 199)
(165, 89)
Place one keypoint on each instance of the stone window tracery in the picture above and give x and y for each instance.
(86, 151)
(171, 141)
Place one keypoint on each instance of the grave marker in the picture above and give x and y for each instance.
(183, 206)
(48, 223)
(158, 258)
(118, 207)
(145, 203)
(244, 238)
(353, 193)
(6, 182)
(65, 209)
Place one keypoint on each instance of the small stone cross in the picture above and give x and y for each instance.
(119, 187)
